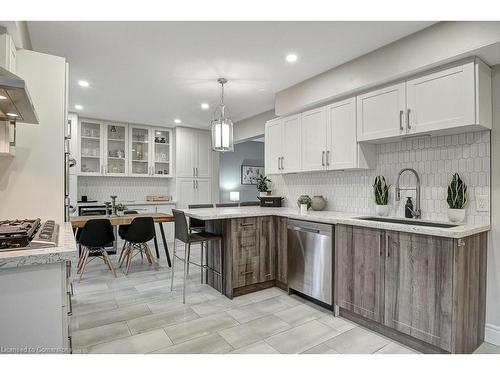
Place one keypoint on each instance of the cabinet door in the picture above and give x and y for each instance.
(185, 191)
(291, 143)
(314, 145)
(162, 153)
(418, 287)
(91, 145)
(116, 150)
(359, 266)
(203, 191)
(186, 152)
(246, 257)
(342, 142)
(381, 113)
(267, 248)
(140, 142)
(281, 250)
(204, 159)
(441, 100)
(273, 149)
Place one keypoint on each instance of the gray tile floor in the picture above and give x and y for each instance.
(138, 313)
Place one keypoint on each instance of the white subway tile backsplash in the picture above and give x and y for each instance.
(434, 158)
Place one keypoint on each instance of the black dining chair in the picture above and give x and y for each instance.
(250, 203)
(182, 234)
(226, 205)
(122, 230)
(197, 225)
(96, 235)
(140, 231)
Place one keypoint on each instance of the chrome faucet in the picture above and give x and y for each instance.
(416, 213)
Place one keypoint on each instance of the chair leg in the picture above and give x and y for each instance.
(79, 262)
(149, 254)
(173, 267)
(129, 261)
(85, 255)
(186, 262)
(84, 263)
(122, 253)
(125, 255)
(108, 261)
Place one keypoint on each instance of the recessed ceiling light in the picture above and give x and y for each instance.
(83, 83)
(205, 106)
(78, 107)
(291, 57)
(12, 114)
(177, 121)
(2, 97)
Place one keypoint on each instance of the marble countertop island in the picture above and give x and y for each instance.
(333, 217)
(65, 250)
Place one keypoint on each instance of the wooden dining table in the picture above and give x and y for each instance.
(79, 222)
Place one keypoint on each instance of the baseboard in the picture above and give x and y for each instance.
(492, 334)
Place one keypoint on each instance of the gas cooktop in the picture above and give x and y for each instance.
(21, 234)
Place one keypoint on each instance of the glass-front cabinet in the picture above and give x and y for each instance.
(161, 152)
(91, 147)
(116, 150)
(140, 140)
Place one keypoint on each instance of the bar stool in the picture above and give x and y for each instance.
(182, 234)
(140, 231)
(95, 236)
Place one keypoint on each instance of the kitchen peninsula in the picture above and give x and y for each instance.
(422, 283)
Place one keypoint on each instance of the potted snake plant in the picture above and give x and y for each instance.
(381, 191)
(457, 199)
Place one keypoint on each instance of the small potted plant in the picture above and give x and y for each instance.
(120, 207)
(381, 191)
(304, 203)
(263, 185)
(457, 199)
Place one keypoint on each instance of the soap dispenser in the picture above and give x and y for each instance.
(409, 208)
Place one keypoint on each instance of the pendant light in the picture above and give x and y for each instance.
(222, 126)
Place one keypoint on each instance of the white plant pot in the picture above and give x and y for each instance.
(303, 209)
(456, 215)
(382, 209)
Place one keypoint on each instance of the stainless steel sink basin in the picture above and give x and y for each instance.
(408, 222)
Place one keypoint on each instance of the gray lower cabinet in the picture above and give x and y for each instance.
(428, 290)
(358, 272)
(418, 281)
(281, 252)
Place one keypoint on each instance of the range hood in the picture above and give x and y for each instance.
(15, 99)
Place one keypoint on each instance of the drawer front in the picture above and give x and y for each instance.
(244, 224)
(245, 257)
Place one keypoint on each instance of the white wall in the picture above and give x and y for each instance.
(252, 127)
(32, 183)
(438, 44)
(493, 284)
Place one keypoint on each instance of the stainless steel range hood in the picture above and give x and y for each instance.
(15, 99)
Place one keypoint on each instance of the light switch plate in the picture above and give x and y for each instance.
(482, 203)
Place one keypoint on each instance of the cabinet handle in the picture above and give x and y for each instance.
(328, 157)
(323, 158)
(408, 119)
(246, 224)
(194, 172)
(70, 343)
(70, 312)
(282, 159)
(246, 273)
(196, 184)
(401, 112)
(387, 253)
(196, 169)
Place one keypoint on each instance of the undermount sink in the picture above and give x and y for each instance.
(408, 222)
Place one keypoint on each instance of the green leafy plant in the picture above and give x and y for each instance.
(120, 207)
(263, 183)
(381, 190)
(304, 199)
(457, 193)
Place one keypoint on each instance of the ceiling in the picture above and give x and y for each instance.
(154, 72)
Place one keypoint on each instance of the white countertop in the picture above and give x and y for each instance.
(65, 250)
(129, 203)
(333, 217)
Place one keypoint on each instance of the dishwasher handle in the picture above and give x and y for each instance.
(305, 229)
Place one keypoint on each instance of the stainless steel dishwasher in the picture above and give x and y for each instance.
(310, 259)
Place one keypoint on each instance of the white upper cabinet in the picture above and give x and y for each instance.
(194, 153)
(140, 151)
(451, 100)
(380, 113)
(314, 140)
(292, 143)
(273, 146)
(91, 147)
(116, 149)
(162, 152)
(441, 100)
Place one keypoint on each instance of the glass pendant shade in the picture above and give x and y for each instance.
(222, 126)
